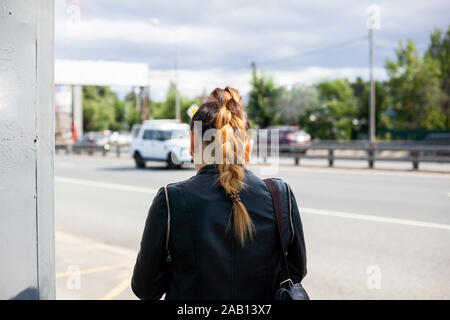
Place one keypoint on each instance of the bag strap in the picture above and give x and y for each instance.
(290, 214)
(276, 201)
(166, 194)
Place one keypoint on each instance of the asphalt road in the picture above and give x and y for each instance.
(370, 234)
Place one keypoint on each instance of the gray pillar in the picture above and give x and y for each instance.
(27, 254)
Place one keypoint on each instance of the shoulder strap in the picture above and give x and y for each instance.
(166, 194)
(276, 200)
(290, 213)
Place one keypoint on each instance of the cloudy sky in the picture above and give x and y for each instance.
(299, 41)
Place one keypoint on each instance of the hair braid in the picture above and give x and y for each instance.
(231, 145)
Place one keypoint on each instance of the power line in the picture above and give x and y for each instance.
(318, 50)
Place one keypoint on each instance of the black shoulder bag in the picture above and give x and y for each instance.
(288, 289)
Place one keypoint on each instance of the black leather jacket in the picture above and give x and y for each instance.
(207, 261)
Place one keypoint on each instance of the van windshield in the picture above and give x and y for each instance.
(163, 135)
(179, 134)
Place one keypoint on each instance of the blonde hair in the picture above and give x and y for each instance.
(230, 119)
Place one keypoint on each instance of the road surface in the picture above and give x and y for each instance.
(370, 234)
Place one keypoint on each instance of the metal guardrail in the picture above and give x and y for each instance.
(416, 152)
(118, 150)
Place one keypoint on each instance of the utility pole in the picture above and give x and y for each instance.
(177, 95)
(137, 100)
(373, 22)
(144, 102)
(150, 113)
(254, 69)
(372, 90)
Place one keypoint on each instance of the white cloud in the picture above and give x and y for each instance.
(295, 41)
(137, 31)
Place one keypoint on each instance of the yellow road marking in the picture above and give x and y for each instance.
(121, 287)
(91, 270)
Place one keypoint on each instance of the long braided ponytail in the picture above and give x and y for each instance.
(230, 138)
(224, 112)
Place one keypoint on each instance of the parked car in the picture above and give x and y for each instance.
(121, 138)
(91, 142)
(287, 136)
(161, 140)
(290, 135)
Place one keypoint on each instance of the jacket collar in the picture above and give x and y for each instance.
(210, 168)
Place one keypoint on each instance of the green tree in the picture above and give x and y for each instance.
(294, 102)
(415, 89)
(318, 122)
(100, 106)
(166, 109)
(336, 114)
(337, 95)
(132, 114)
(361, 91)
(439, 51)
(263, 101)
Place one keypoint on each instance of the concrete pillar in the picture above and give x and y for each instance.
(27, 254)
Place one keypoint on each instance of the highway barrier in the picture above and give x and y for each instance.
(118, 150)
(412, 151)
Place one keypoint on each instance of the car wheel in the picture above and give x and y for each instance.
(140, 163)
(172, 162)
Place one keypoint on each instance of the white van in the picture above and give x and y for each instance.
(161, 140)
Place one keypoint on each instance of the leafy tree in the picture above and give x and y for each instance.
(318, 122)
(334, 117)
(415, 89)
(439, 51)
(294, 102)
(262, 106)
(337, 95)
(166, 109)
(100, 105)
(132, 114)
(361, 91)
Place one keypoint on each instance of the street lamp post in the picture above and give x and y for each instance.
(373, 22)
(177, 95)
(372, 89)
